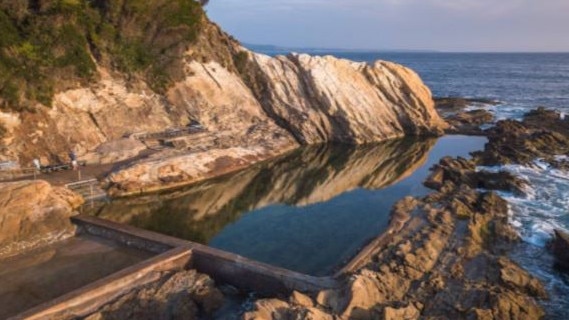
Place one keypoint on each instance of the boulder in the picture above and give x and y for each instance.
(469, 122)
(408, 313)
(301, 299)
(275, 309)
(34, 213)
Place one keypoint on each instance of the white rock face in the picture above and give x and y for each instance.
(321, 99)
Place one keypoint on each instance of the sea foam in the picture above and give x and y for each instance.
(543, 207)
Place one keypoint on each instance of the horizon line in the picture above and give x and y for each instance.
(269, 47)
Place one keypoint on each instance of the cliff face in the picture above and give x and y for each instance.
(321, 99)
(260, 105)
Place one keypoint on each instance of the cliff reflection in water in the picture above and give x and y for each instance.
(297, 201)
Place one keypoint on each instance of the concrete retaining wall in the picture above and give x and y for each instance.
(174, 254)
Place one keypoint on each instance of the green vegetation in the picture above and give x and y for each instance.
(240, 59)
(50, 45)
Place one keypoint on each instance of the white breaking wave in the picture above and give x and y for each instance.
(501, 111)
(544, 207)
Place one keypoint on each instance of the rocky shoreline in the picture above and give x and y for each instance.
(447, 254)
(451, 258)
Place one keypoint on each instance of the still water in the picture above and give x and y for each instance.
(308, 211)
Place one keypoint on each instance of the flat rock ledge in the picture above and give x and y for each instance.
(174, 171)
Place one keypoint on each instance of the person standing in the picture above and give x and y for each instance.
(37, 164)
(73, 158)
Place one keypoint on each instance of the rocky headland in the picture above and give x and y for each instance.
(306, 102)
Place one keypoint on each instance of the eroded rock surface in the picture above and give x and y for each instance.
(542, 134)
(181, 295)
(469, 122)
(463, 121)
(445, 262)
(34, 213)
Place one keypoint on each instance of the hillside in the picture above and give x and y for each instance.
(83, 75)
(47, 46)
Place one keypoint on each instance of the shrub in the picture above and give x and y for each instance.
(50, 45)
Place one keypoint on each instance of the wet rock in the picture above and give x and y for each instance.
(511, 306)
(34, 213)
(436, 179)
(547, 118)
(515, 277)
(469, 122)
(450, 103)
(542, 134)
(456, 104)
(560, 248)
(461, 171)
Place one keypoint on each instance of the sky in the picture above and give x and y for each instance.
(443, 25)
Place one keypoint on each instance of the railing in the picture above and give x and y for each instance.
(178, 132)
(18, 173)
(6, 175)
(89, 189)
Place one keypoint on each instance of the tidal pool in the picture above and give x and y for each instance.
(308, 211)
